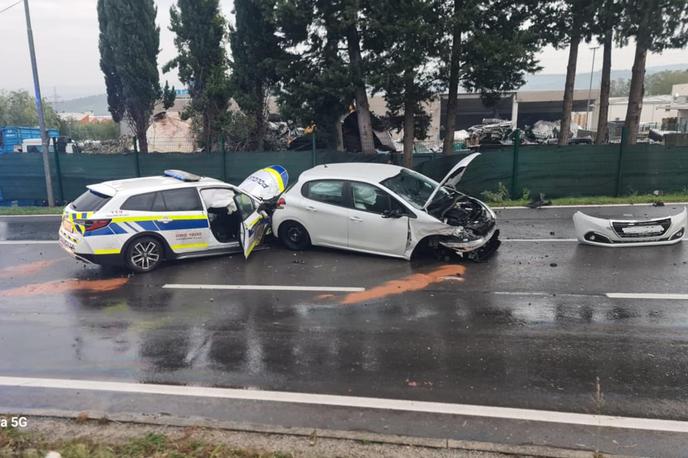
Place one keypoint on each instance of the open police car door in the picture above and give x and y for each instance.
(264, 185)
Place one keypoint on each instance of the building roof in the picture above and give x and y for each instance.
(550, 96)
(649, 100)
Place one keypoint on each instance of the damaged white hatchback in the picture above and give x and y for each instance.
(629, 232)
(386, 210)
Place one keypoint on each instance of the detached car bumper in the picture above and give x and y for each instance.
(667, 230)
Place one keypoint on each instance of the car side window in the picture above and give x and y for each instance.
(326, 191)
(140, 202)
(244, 204)
(182, 200)
(370, 198)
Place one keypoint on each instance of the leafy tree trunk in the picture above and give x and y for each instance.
(141, 137)
(603, 113)
(260, 117)
(454, 68)
(338, 134)
(409, 119)
(635, 96)
(565, 126)
(365, 127)
(207, 131)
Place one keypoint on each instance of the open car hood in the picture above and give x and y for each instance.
(266, 183)
(453, 177)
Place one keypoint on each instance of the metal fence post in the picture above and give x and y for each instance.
(620, 162)
(514, 166)
(58, 171)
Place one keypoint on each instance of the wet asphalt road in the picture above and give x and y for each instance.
(531, 328)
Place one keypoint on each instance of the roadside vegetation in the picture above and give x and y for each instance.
(597, 200)
(31, 210)
(29, 445)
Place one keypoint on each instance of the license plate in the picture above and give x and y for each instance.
(654, 229)
(66, 244)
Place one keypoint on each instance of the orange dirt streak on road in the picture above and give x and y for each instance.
(29, 268)
(409, 283)
(63, 286)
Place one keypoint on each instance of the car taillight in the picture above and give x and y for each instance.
(93, 224)
(281, 203)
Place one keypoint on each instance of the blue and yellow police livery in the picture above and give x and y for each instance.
(140, 222)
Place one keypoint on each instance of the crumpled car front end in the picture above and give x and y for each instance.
(630, 232)
(467, 228)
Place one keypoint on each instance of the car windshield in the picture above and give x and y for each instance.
(415, 188)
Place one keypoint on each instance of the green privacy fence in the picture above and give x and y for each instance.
(557, 171)
(572, 170)
(21, 175)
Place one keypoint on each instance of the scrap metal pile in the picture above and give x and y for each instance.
(500, 132)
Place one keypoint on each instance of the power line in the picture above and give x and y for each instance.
(13, 4)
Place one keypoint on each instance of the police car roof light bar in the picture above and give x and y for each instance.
(181, 175)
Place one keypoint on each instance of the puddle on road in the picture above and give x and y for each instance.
(29, 268)
(63, 286)
(406, 284)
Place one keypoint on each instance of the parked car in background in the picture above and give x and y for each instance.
(140, 222)
(386, 210)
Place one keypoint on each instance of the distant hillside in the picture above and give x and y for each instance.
(538, 82)
(544, 82)
(95, 103)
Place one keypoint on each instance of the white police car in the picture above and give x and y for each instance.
(140, 222)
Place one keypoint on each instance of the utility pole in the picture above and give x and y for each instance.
(39, 108)
(588, 120)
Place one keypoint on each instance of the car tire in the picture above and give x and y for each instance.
(143, 254)
(294, 236)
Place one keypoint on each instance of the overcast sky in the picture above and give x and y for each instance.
(66, 38)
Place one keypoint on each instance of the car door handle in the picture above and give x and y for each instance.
(165, 220)
(356, 219)
(311, 208)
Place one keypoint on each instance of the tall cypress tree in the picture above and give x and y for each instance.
(200, 33)
(655, 25)
(256, 55)
(569, 22)
(315, 80)
(129, 46)
(405, 40)
(492, 46)
(606, 23)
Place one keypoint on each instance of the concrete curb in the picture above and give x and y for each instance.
(390, 439)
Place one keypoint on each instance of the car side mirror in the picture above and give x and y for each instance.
(396, 213)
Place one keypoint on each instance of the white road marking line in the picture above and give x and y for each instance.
(265, 287)
(544, 294)
(27, 242)
(657, 296)
(540, 240)
(547, 416)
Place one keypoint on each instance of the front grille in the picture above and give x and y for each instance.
(641, 229)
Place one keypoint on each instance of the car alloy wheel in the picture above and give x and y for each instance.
(144, 254)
